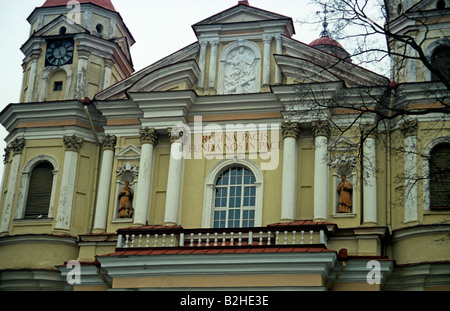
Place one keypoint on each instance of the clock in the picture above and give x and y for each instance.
(59, 52)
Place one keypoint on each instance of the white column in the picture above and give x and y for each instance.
(202, 64)
(321, 171)
(267, 40)
(32, 78)
(80, 86)
(279, 51)
(174, 181)
(148, 139)
(16, 147)
(409, 130)
(213, 63)
(369, 176)
(66, 194)
(290, 133)
(104, 187)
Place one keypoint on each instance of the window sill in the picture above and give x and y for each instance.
(33, 222)
(343, 215)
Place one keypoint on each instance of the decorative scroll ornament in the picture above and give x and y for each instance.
(175, 134)
(290, 129)
(409, 128)
(344, 164)
(109, 142)
(321, 129)
(6, 155)
(73, 143)
(128, 172)
(17, 146)
(148, 136)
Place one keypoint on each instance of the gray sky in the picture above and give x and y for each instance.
(159, 28)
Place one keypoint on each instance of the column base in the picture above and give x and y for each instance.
(286, 221)
(170, 224)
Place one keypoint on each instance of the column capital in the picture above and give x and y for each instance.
(6, 155)
(267, 38)
(173, 135)
(368, 130)
(290, 129)
(109, 142)
(73, 143)
(148, 136)
(321, 129)
(409, 128)
(17, 146)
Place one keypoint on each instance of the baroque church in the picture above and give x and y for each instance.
(224, 165)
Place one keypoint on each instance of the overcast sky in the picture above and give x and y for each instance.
(159, 28)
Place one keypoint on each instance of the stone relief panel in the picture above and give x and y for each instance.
(240, 69)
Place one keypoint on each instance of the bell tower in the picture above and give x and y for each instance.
(427, 22)
(75, 50)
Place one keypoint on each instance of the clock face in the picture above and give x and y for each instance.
(60, 52)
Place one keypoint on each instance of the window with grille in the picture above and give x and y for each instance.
(39, 191)
(235, 199)
(440, 177)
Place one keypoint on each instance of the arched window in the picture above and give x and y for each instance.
(39, 191)
(233, 195)
(439, 178)
(235, 199)
(441, 60)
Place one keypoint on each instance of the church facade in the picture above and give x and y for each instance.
(224, 165)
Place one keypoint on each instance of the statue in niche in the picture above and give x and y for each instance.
(240, 71)
(345, 195)
(125, 198)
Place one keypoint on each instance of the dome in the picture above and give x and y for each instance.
(326, 44)
(107, 4)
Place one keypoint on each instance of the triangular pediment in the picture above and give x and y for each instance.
(129, 153)
(53, 28)
(241, 13)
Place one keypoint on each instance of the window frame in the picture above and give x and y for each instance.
(426, 189)
(210, 188)
(25, 183)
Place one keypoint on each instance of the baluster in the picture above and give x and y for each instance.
(147, 244)
(294, 237)
(224, 240)
(250, 238)
(132, 240)
(269, 237)
(285, 237)
(140, 240)
(240, 239)
(215, 238)
(192, 240)
(207, 239)
(311, 238)
(164, 240)
(232, 239)
(199, 240)
(172, 239)
(126, 240)
(277, 239)
(303, 237)
(156, 240)
(261, 237)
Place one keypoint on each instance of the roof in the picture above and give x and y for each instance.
(325, 41)
(107, 4)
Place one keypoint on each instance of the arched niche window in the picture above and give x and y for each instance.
(436, 170)
(441, 60)
(55, 83)
(439, 168)
(233, 197)
(37, 189)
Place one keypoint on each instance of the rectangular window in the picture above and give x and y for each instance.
(58, 86)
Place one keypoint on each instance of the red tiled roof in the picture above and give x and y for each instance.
(107, 4)
(301, 223)
(325, 41)
(219, 250)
